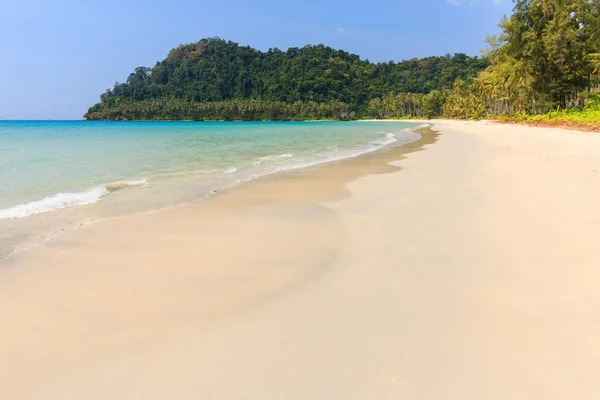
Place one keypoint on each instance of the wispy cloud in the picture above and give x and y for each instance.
(340, 30)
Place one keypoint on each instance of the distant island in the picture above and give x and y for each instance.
(543, 66)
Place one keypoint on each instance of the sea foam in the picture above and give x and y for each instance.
(388, 139)
(60, 201)
(378, 144)
(114, 186)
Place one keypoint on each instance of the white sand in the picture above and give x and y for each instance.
(472, 273)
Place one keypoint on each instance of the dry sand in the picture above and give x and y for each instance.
(471, 272)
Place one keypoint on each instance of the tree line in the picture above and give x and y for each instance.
(210, 78)
(545, 59)
(172, 108)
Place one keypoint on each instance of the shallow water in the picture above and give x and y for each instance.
(57, 174)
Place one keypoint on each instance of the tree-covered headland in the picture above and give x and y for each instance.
(216, 79)
(544, 65)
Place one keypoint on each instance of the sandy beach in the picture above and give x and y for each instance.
(463, 266)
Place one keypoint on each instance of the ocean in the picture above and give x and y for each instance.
(56, 175)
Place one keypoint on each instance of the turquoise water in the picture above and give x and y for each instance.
(48, 167)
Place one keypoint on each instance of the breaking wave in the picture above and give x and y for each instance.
(60, 201)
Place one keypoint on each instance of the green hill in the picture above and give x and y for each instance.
(218, 79)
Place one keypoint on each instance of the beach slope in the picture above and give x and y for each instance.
(469, 272)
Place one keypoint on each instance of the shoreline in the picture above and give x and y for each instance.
(466, 270)
(80, 216)
(572, 126)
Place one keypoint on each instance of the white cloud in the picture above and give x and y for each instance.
(340, 30)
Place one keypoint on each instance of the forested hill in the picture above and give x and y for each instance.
(218, 79)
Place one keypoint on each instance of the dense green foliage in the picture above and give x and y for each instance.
(586, 117)
(545, 66)
(172, 108)
(216, 79)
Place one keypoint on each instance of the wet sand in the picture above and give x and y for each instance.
(468, 270)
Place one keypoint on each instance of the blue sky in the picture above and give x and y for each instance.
(59, 56)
